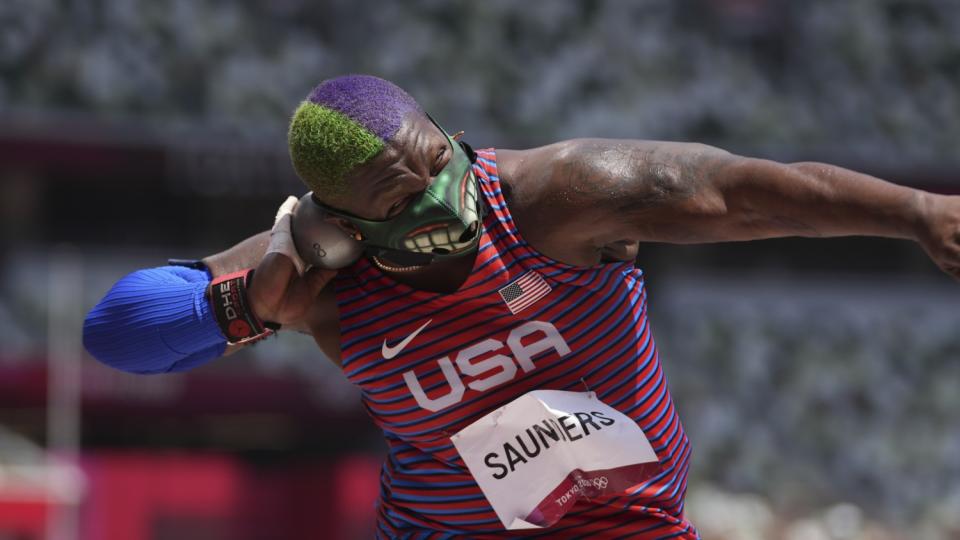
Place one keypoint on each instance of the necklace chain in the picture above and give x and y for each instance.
(389, 268)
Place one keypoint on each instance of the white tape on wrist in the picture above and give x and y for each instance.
(281, 240)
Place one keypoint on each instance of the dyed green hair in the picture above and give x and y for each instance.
(325, 146)
(342, 124)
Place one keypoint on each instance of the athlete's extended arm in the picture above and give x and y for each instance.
(158, 320)
(301, 303)
(690, 193)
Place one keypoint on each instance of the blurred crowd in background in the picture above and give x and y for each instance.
(818, 379)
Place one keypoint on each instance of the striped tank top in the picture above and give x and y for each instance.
(429, 364)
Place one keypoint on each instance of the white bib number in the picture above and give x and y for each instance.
(536, 456)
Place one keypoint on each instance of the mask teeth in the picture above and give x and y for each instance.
(439, 237)
(470, 201)
(445, 238)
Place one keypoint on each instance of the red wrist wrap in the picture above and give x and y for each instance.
(233, 312)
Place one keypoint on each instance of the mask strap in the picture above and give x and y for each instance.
(403, 258)
(469, 150)
(333, 211)
(466, 147)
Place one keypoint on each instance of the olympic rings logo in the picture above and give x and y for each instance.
(601, 482)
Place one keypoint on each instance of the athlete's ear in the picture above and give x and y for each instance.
(457, 136)
(345, 226)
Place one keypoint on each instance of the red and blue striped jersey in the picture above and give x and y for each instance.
(429, 364)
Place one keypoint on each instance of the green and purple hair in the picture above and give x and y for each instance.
(343, 123)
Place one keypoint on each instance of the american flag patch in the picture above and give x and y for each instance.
(525, 291)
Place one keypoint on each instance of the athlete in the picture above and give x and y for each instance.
(494, 320)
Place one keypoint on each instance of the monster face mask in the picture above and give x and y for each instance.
(443, 221)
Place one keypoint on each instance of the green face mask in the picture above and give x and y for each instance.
(444, 221)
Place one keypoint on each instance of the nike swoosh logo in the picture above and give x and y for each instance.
(390, 352)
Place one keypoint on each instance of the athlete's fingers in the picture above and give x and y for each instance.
(277, 269)
(309, 286)
(270, 283)
(303, 291)
(948, 259)
(316, 279)
(953, 271)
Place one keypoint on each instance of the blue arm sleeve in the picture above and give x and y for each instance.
(155, 320)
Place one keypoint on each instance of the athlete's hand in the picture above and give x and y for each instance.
(940, 231)
(281, 291)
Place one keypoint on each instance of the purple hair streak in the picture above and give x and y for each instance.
(376, 104)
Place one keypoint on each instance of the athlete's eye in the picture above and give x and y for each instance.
(395, 209)
(398, 207)
(438, 162)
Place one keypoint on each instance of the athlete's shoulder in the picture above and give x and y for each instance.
(535, 185)
(525, 174)
(585, 172)
(576, 175)
(576, 197)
